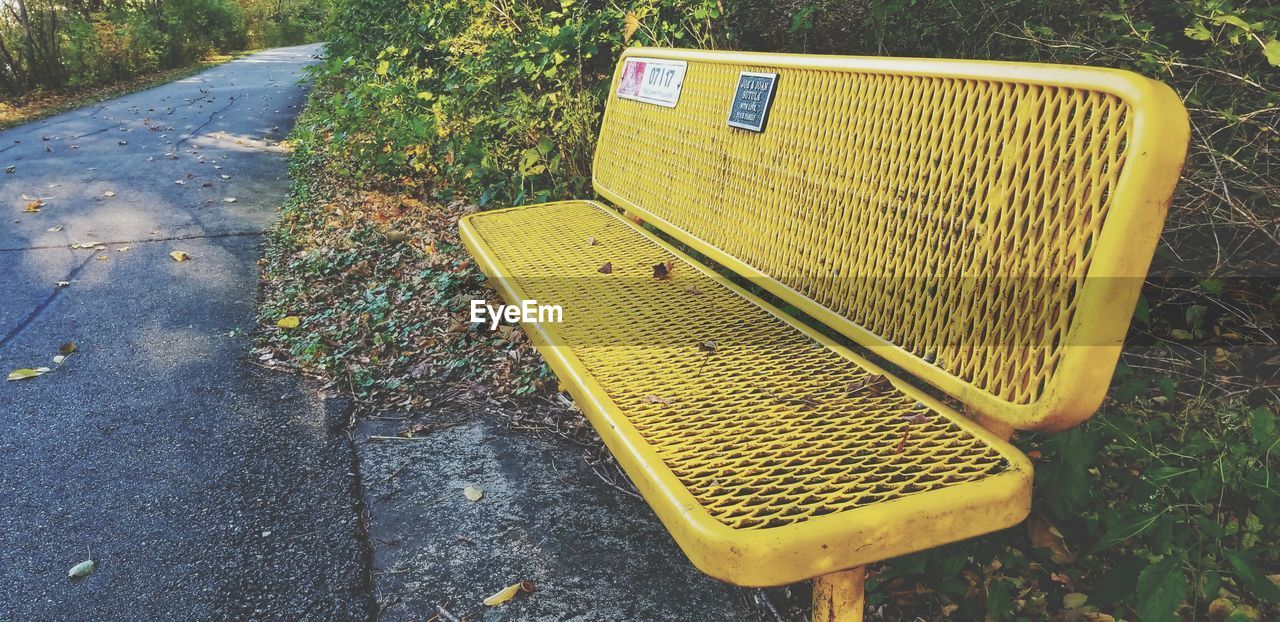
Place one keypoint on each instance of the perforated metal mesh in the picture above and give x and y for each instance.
(913, 181)
(764, 430)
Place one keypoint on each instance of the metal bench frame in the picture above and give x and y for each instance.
(1136, 125)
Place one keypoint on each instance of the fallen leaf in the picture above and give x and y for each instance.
(916, 418)
(509, 592)
(902, 444)
(82, 569)
(663, 270)
(55, 229)
(181, 182)
(593, 242)
(653, 399)
(1074, 600)
(122, 249)
(798, 401)
(871, 384)
(693, 290)
(122, 142)
(472, 493)
(229, 200)
(23, 374)
(288, 321)
(413, 430)
(607, 268)
(67, 348)
(11, 169)
(1044, 535)
(103, 258)
(709, 346)
(62, 284)
(223, 176)
(34, 206)
(58, 359)
(180, 255)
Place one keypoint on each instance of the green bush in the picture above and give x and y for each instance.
(499, 101)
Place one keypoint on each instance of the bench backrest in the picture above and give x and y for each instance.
(984, 226)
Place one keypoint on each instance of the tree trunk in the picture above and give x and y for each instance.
(29, 45)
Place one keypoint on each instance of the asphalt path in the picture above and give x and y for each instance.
(203, 486)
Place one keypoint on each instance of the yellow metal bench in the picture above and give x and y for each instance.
(982, 227)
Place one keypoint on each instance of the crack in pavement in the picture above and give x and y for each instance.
(53, 295)
(44, 304)
(202, 236)
(196, 132)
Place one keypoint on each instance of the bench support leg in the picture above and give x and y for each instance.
(838, 597)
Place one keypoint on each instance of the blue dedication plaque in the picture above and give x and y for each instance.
(751, 100)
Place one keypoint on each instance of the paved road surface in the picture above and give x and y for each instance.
(205, 487)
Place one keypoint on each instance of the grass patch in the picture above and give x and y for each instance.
(39, 105)
(383, 287)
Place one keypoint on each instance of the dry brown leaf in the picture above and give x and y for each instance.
(473, 493)
(916, 418)
(902, 444)
(1044, 535)
(180, 255)
(606, 268)
(662, 271)
(871, 384)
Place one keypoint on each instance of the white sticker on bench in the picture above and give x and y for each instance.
(652, 80)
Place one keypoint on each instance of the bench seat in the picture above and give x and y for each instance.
(771, 453)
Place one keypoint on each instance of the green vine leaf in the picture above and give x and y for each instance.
(1161, 589)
